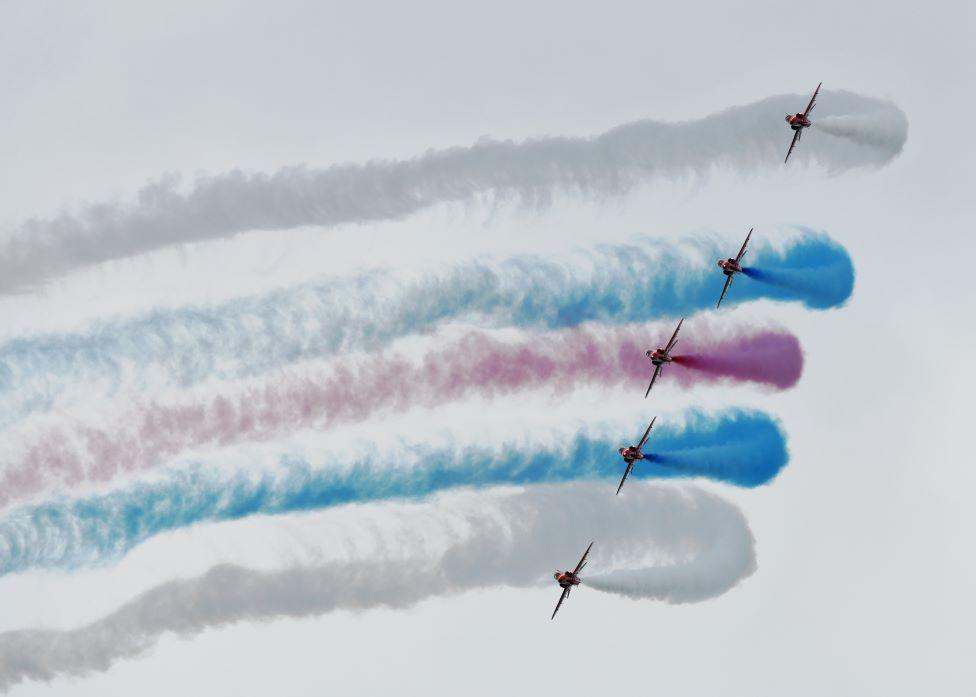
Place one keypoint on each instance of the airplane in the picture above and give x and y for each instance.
(800, 121)
(660, 356)
(730, 267)
(633, 453)
(568, 579)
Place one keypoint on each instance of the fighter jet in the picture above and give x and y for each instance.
(730, 267)
(800, 121)
(568, 579)
(633, 453)
(660, 356)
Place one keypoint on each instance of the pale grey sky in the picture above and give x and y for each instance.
(866, 567)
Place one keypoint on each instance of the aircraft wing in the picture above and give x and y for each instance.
(630, 466)
(582, 560)
(646, 433)
(742, 252)
(796, 137)
(657, 371)
(562, 597)
(725, 288)
(813, 99)
(674, 336)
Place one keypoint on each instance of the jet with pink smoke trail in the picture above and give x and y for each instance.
(757, 358)
(662, 356)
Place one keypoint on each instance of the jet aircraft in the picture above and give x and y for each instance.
(730, 267)
(661, 356)
(800, 121)
(568, 579)
(633, 453)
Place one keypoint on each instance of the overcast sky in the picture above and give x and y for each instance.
(866, 566)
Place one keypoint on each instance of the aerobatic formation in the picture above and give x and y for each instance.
(659, 357)
(221, 416)
(662, 356)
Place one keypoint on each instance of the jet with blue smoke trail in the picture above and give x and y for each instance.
(742, 448)
(633, 453)
(251, 336)
(730, 267)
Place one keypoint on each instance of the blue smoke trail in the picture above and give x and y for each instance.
(744, 448)
(815, 275)
(744, 451)
(249, 336)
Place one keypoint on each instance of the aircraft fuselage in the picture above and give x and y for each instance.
(658, 357)
(630, 454)
(566, 579)
(797, 121)
(729, 267)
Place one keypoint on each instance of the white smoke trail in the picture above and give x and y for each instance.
(746, 138)
(666, 543)
(865, 129)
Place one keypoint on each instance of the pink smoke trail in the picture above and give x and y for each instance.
(351, 389)
(773, 358)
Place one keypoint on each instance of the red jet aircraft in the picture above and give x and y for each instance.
(660, 356)
(730, 267)
(568, 579)
(800, 121)
(633, 453)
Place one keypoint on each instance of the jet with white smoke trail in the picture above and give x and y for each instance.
(736, 447)
(670, 544)
(744, 139)
(251, 336)
(349, 390)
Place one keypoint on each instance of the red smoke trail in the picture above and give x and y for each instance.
(773, 358)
